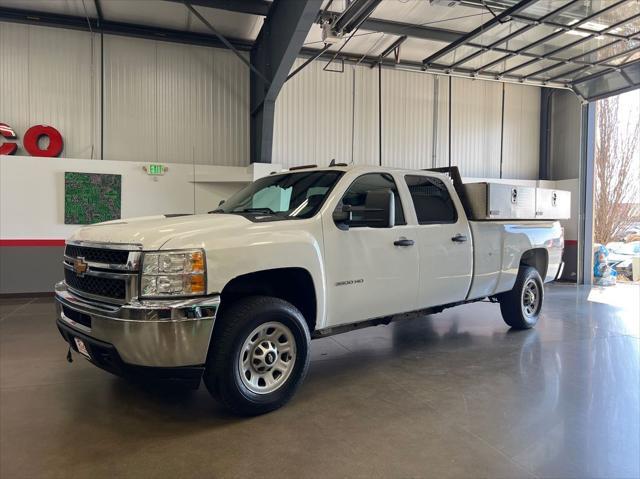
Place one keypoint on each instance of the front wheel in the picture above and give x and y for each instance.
(521, 306)
(259, 355)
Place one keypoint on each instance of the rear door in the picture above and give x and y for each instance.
(370, 271)
(444, 240)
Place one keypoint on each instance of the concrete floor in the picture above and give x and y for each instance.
(451, 395)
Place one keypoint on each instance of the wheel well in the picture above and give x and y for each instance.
(537, 258)
(294, 285)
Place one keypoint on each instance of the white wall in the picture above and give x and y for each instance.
(163, 102)
(32, 191)
(317, 113)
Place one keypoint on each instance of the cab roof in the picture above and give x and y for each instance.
(359, 168)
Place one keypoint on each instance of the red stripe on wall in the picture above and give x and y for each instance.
(571, 242)
(31, 242)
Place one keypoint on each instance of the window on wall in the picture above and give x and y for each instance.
(431, 200)
(357, 194)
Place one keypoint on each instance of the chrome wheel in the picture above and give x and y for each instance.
(530, 298)
(267, 357)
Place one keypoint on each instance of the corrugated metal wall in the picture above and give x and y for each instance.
(47, 77)
(177, 103)
(476, 118)
(521, 144)
(163, 102)
(317, 113)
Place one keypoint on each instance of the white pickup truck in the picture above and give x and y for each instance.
(236, 295)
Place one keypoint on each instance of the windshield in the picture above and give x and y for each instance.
(291, 195)
(629, 248)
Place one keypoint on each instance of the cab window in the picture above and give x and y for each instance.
(357, 193)
(431, 200)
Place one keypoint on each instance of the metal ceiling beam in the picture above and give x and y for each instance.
(478, 31)
(399, 28)
(261, 7)
(405, 65)
(415, 31)
(276, 48)
(395, 46)
(72, 22)
(252, 7)
(98, 6)
(354, 15)
(224, 40)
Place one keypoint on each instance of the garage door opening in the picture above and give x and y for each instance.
(616, 204)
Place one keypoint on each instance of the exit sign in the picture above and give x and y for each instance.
(155, 169)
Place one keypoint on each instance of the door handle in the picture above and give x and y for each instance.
(403, 242)
(459, 238)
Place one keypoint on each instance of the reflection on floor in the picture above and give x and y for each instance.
(450, 395)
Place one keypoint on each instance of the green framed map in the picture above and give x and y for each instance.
(91, 198)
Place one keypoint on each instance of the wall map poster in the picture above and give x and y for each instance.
(91, 198)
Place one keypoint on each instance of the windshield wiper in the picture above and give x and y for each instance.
(256, 210)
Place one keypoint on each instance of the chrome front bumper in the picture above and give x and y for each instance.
(162, 333)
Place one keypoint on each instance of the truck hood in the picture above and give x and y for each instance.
(152, 232)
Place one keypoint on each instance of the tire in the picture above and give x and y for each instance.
(259, 355)
(521, 306)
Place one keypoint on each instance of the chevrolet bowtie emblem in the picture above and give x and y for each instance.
(80, 267)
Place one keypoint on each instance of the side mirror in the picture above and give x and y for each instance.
(379, 209)
(342, 216)
(221, 203)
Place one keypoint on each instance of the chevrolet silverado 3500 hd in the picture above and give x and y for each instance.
(234, 296)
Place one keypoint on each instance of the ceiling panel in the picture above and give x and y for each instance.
(231, 24)
(543, 7)
(583, 48)
(616, 15)
(154, 14)
(527, 38)
(613, 49)
(481, 60)
(581, 10)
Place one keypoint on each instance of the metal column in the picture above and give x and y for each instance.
(274, 52)
(587, 159)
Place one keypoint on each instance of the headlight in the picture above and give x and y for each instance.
(174, 273)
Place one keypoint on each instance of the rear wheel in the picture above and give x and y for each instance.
(259, 355)
(521, 306)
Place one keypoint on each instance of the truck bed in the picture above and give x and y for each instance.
(498, 248)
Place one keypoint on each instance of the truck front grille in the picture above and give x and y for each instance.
(97, 286)
(102, 272)
(97, 255)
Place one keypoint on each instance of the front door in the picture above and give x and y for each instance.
(371, 271)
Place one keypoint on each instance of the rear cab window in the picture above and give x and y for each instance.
(431, 200)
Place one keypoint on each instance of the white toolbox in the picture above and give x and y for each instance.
(553, 204)
(500, 201)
